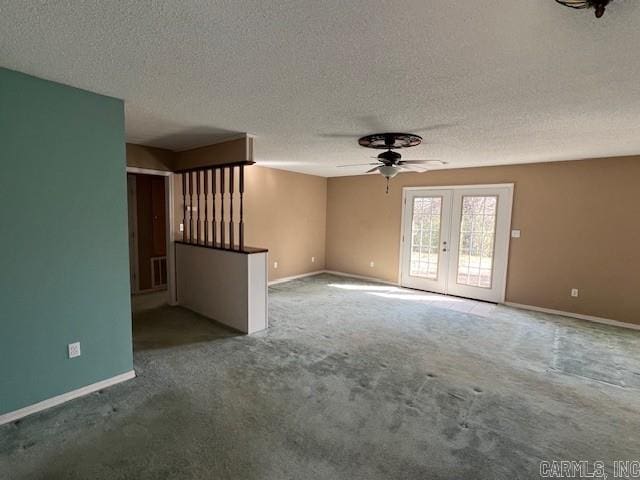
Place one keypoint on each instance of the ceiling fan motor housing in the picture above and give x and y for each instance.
(389, 157)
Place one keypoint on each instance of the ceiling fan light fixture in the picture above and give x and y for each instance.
(388, 171)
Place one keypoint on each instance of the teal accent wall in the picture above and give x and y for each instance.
(64, 269)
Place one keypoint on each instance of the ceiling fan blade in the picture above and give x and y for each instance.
(339, 135)
(372, 170)
(422, 162)
(438, 126)
(372, 123)
(356, 165)
(411, 168)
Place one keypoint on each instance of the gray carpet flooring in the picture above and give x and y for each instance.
(346, 384)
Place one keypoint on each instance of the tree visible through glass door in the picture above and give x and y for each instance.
(477, 240)
(425, 237)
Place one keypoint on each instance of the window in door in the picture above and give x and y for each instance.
(477, 240)
(425, 237)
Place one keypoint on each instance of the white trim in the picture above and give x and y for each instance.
(579, 316)
(132, 230)
(332, 272)
(362, 277)
(148, 171)
(401, 249)
(458, 187)
(507, 252)
(266, 290)
(295, 277)
(171, 258)
(65, 397)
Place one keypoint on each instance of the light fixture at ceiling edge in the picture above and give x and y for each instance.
(598, 5)
(388, 172)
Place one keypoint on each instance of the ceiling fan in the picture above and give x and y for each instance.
(598, 5)
(390, 163)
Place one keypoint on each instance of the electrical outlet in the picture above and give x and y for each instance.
(515, 233)
(182, 227)
(74, 349)
(371, 264)
(574, 292)
(313, 259)
(275, 264)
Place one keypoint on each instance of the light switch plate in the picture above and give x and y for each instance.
(574, 292)
(275, 264)
(515, 233)
(74, 349)
(182, 227)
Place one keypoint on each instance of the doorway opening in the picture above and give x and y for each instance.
(455, 240)
(148, 200)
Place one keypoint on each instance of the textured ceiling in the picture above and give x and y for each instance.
(505, 81)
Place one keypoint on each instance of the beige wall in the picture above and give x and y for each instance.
(152, 158)
(580, 224)
(286, 213)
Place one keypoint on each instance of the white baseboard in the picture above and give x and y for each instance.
(361, 277)
(332, 272)
(580, 316)
(65, 397)
(295, 277)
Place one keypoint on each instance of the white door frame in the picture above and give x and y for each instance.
(508, 186)
(132, 213)
(171, 262)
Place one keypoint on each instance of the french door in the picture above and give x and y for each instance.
(455, 240)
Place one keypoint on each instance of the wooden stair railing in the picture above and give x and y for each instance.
(207, 179)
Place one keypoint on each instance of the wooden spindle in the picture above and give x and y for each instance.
(214, 227)
(206, 207)
(184, 207)
(198, 172)
(231, 189)
(218, 221)
(190, 207)
(222, 225)
(241, 224)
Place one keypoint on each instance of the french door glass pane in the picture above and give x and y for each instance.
(477, 238)
(425, 237)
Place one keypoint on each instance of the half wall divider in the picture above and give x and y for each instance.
(217, 275)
